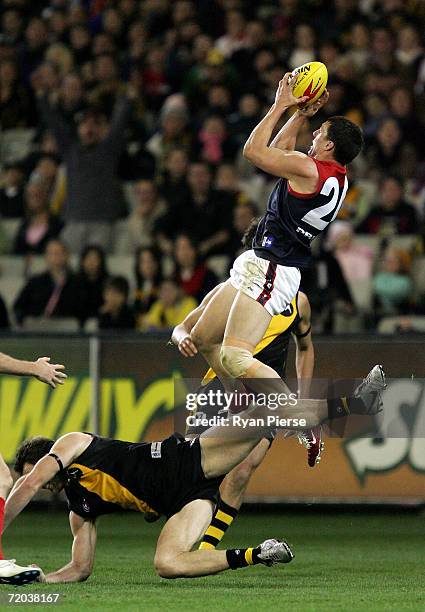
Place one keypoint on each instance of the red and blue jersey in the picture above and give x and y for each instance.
(293, 220)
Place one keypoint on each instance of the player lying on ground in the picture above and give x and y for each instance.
(176, 477)
(51, 374)
(273, 350)
(265, 279)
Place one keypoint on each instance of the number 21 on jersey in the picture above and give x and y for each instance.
(316, 216)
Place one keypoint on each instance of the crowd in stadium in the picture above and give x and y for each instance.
(122, 132)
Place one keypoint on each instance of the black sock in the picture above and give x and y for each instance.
(344, 406)
(242, 557)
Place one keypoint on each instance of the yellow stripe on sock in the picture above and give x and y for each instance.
(214, 532)
(345, 404)
(248, 556)
(206, 546)
(225, 518)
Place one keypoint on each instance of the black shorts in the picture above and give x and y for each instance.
(180, 474)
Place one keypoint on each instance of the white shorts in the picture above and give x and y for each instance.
(272, 285)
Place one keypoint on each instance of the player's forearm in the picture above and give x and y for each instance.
(304, 361)
(18, 500)
(68, 573)
(9, 365)
(260, 136)
(286, 138)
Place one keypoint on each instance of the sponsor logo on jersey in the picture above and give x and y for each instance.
(267, 241)
(156, 450)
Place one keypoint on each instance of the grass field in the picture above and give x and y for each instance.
(344, 561)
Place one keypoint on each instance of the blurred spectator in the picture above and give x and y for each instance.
(392, 284)
(93, 195)
(173, 183)
(90, 282)
(12, 192)
(173, 133)
(192, 275)
(147, 210)
(387, 152)
(243, 216)
(207, 213)
(72, 97)
(16, 107)
(392, 215)
(214, 144)
(148, 273)
(235, 35)
(115, 313)
(327, 289)
(12, 25)
(52, 293)
(34, 46)
(304, 50)
(245, 119)
(356, 260)
(170, 309)
(39, 226)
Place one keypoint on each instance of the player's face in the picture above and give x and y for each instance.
(55, 485)
(320, 139)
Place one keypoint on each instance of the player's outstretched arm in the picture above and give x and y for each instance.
(66, 449)
(83, 551)
(268, 158)
(49, 373)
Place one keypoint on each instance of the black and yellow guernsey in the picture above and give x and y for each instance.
(108, 477)
(150, 477)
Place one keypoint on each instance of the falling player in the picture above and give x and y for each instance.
(51, 374)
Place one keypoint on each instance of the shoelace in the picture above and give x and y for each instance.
(305, 440)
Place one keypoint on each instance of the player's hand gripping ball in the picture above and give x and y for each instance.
(309, 80)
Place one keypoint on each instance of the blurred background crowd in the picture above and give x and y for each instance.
(123, 191)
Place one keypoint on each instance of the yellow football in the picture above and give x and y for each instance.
(310, 80)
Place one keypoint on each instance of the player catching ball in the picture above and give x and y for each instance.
(265, 279)
(51, 374)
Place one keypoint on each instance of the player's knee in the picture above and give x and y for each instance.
(166, 567)
(235, 360)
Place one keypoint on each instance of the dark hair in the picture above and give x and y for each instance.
(31, 451)
(156, 255)
(249, 235)
(103, 272)
(119, 283)
(347, 138)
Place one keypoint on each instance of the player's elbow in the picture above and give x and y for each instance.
(248, 151)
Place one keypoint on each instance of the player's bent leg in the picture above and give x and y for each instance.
(232, 490)
(234, 485)
(175, 559)
(208, 332)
